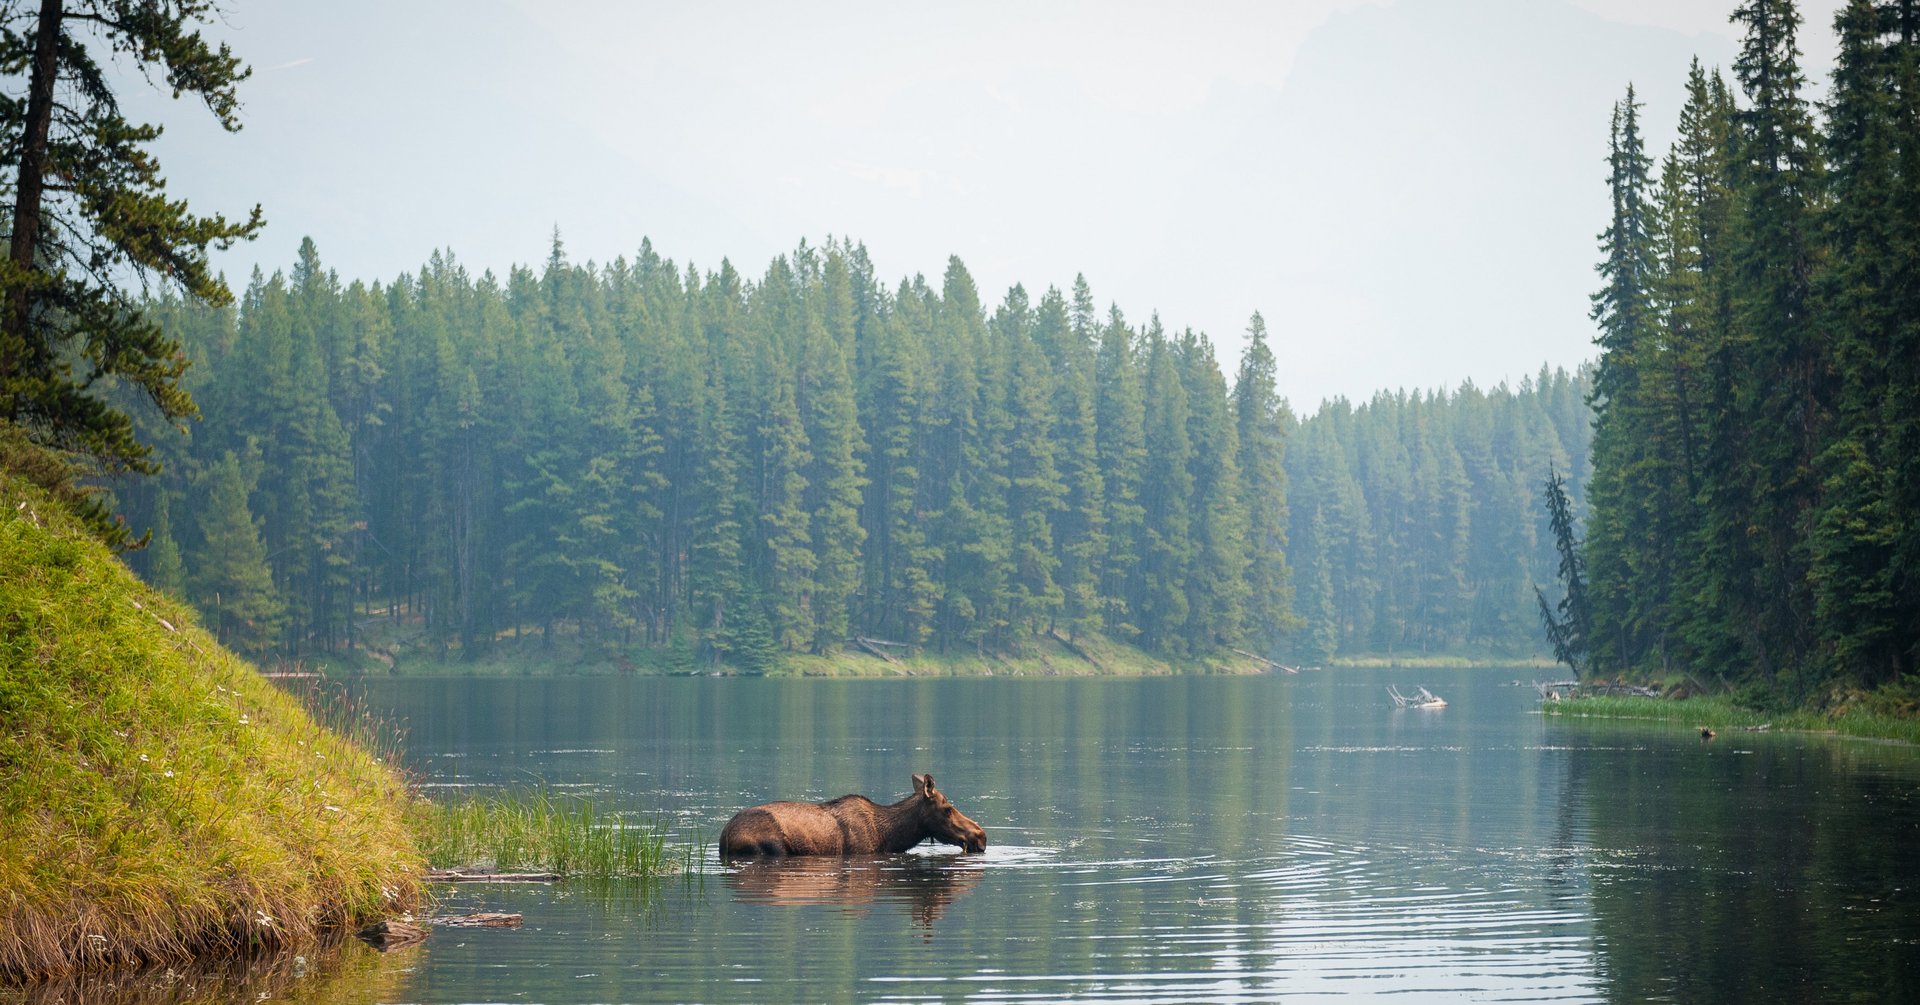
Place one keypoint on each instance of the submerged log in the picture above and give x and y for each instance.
(392, 934)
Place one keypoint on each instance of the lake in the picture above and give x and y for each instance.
(1187, 839)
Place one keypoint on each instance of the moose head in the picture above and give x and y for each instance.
(941, 820)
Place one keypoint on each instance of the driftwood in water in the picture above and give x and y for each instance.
(389, 935)
(484, 919)
(456, 876)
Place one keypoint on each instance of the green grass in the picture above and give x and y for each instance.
(541, 832)
(158, 798)
(1441, 661)
(566, 654)
(1722, 713)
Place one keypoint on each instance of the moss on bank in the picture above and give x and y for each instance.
(158, 798)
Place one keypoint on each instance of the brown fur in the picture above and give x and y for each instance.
(850, 825)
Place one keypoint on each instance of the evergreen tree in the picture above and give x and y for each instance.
(1261, 418)
(1623, 477)
(1780, 366)
(1569, 622)
(1120, 410)
(1166, 498)
(230, 578)
(1854, 531)
(89, 211)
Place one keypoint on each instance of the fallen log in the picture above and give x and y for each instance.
(1075, 649)
(874, 650)
(457, 876)
(484, 919)
(1263, 659)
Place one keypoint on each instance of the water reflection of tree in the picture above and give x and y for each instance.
(1752, 869)
(343, 971)
(922, 885)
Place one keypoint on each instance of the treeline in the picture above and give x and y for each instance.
(1416, 524)
(1755, 501)
(645, 455)
(715, 469)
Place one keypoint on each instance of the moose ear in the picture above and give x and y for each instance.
(922, 785)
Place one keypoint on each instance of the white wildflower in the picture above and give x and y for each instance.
(169, 773)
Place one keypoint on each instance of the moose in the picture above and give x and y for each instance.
(850, 825)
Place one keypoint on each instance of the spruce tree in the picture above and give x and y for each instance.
(1261, 418)
(1854, 529)
(230, 581)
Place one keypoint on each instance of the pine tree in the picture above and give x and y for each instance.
(1783, 387)
(1120, 409)
(833, 478)
(1854, 528)
(1036, 494)
(1261, 419)
(1166, 500)
(1217, 585)
(1081, 528)
(231, 582)
(1623, 478)
(89, 211)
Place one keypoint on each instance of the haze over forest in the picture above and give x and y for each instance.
(1407, 191)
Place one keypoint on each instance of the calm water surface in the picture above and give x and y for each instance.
(1192, 840)
(1181, 840)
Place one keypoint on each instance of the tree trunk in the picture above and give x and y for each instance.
(29, 183)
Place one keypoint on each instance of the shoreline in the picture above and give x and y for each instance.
(1723, 715)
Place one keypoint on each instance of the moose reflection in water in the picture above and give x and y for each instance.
(850, 825)
(923, 885)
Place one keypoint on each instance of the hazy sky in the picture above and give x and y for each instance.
(1408, 190)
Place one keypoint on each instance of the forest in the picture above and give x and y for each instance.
(685, 469)
(1755, 497)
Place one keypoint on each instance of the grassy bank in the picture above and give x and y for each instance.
(158, 798)
(1721, 713)
(1440, 661)
(392, 650)
(542, 833)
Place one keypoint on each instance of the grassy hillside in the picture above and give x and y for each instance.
(158, 799)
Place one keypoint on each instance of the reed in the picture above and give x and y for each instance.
(543, 832)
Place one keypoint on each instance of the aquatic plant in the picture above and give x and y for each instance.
(543, 832)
